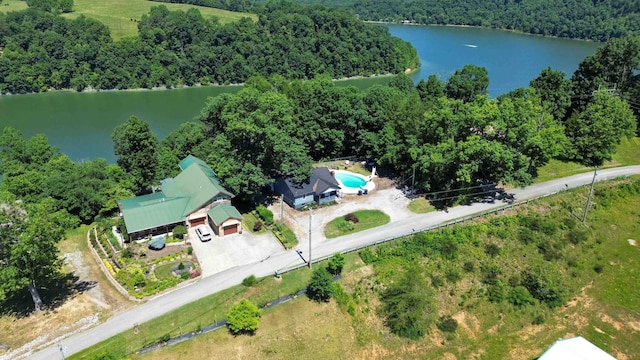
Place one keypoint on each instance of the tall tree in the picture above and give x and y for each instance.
(320, 286)
(597, 130)
(615, 64)
(28, 247)
(555, 91)
(468, 83)
(135, 146)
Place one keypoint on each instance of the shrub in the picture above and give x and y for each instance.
(520, 296)
(184, 276)
(576, 236)
(352, 218)
(495, 292)
(179, 231)
(492, 249)
(257, 226)
(243, 317)
(336, 263)
(469, 267)
(367, 256)
(265, 214)
(321, 285)
(490, 274)
(249, 281)
(436, 281)
(181, 266)
(514, 280)
(447, 324)
(598, 268)
(453, 276)
(344, 225)
(127, 253)
(190, 250)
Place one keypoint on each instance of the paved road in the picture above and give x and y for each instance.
(321, 247)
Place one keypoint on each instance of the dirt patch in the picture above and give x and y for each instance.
(616, 324)
(468, 323)
(93, 299)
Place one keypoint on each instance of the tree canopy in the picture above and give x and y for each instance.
(44, 51)
(28, 247)
(136, 148)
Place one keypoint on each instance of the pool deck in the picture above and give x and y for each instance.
(345, 190)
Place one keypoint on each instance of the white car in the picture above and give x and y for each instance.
(203, 233)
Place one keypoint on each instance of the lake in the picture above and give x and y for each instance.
(80, 124)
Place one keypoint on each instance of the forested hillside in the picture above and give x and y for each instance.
(581, 19)
(41, 51)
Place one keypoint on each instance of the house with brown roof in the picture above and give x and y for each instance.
(192, 198)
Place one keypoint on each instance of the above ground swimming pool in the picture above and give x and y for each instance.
(350, 180)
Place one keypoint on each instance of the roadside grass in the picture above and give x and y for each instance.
(367, 219)
(627, 153)
(420, 205)
(214, 308)
(122, 16)
(12, 5)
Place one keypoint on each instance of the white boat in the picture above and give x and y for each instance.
(471, 45)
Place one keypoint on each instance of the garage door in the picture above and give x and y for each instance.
(196, 222)
(231, 229)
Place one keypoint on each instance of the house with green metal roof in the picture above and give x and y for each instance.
(188, 199)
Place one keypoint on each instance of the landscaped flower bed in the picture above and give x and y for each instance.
(138, 268)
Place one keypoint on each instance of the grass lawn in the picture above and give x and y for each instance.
(12, 5)
(367, 219)
(249, 220)
(627, 153)
(121, 15)
(285, 235)
(206, 311)
(420, 206)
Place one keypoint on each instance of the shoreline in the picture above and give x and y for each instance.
(91, 90)
(478, 27)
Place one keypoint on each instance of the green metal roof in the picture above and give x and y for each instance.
(189, 191)
(190, 160)
(223, 212)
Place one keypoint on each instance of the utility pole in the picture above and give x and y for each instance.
(586, 209)
(413, 178)
(309, 237)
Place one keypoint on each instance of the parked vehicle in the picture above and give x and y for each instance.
(203, 233)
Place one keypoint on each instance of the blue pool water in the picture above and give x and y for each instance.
(349, 180)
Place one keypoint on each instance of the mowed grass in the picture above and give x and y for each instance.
(121, 16)
(12, 5)
(420, 206)
(367, 219)
(627, 153)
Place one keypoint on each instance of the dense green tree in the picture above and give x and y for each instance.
(555, 92)
(468, 83)
(336, 263)
(136, 146)
(431, 89)
(243, 318)
(28, 247)
(614, 65)
(407, 305)
(320, 286)
(597, 130)
(253, 140)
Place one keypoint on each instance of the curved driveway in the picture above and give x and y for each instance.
(321, 247)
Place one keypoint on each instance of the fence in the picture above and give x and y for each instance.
(428, 228)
